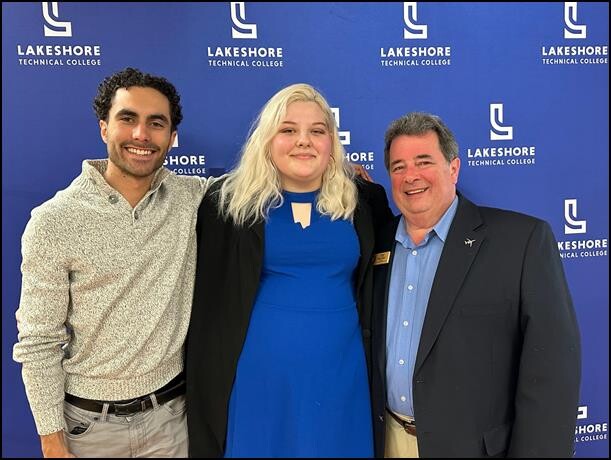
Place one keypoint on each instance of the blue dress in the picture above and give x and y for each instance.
(301, 385)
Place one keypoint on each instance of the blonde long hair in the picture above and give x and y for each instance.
(254, 186)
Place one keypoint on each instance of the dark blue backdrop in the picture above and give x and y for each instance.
(523, 86)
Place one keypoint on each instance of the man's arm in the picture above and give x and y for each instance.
(547, 394)
(41, 321)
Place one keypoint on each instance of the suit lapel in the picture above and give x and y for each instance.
(364, 231)
(385, 243)
(459, 251)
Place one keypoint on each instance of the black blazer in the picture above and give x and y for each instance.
(229, 265)
(498, 366)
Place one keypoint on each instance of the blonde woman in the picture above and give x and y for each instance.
(280, 327)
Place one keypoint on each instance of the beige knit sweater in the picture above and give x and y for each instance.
(106, 291)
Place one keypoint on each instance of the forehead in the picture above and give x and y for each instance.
(304, 109)
(404, 147)
(140, 100)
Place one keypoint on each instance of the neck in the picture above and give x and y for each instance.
(301, 187)
(417, 232)
(132, 188)
(417, 226)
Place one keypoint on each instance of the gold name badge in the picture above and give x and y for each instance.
(381, 258)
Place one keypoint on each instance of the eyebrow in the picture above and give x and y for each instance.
(288, 122)
(131, 113)
(417, 157)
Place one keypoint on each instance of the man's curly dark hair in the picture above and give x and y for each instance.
(133, 77)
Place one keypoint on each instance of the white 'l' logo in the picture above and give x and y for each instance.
(410, 16)
(64, 26)
(571, 28)
(238, 16)
(572, 225)
(344, 136)
(498, 131)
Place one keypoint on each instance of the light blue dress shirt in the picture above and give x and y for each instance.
(412, 275)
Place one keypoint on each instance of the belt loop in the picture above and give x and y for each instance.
(104, 414)
(154, 400)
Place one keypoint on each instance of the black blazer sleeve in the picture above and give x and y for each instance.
(550, 363)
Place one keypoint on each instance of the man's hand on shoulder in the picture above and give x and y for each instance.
(361, 172)
(54, 446)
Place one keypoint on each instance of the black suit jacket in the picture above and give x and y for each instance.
(229, 265)
(497, 370)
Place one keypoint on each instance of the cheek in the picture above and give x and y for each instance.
(395, 183)
(324, 146)
(278, 147)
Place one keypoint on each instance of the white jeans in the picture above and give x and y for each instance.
(157, 432)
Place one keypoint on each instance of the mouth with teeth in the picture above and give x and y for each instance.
(141, 152)
(416, 191)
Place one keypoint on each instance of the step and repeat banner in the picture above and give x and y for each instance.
(524, 87)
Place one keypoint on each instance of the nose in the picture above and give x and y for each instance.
(410, 175)
(141, 132)
(303, 140)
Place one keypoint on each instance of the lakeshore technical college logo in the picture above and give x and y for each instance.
(414, 56)
(238, 18)
(64, 55)
(498, 131)
(572, 225)
(589, 432)
(254, 57)
(412, 28)
(365, 159)
(53, 26)
(507, 155)
(571, 28)
(579, 248)
(572, 53)
(344, 136)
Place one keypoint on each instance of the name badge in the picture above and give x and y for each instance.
(381, 258)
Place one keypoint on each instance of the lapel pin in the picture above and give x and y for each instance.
(469, 242)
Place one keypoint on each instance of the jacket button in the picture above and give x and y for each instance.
(366, 333)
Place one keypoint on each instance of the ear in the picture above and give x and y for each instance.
(172, 139)
(455, 169)
(104, 131)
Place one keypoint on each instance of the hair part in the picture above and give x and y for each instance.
(254, 186)
(417, 124)
(129, 77)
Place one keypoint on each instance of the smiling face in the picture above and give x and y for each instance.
(301, 147)
(423, 182)
(138, 131)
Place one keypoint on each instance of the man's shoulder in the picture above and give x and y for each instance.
(198, 184)
(61, 204)
(54, 216)
(495, 215)
(186, 181)
(508, 216)
(366, 187)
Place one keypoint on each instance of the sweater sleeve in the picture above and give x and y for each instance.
(41, 321)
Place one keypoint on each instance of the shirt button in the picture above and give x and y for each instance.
(410, 287)
(414, 253)
(113, 199)
(405, 323)
(403, 398)
(401, 362)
